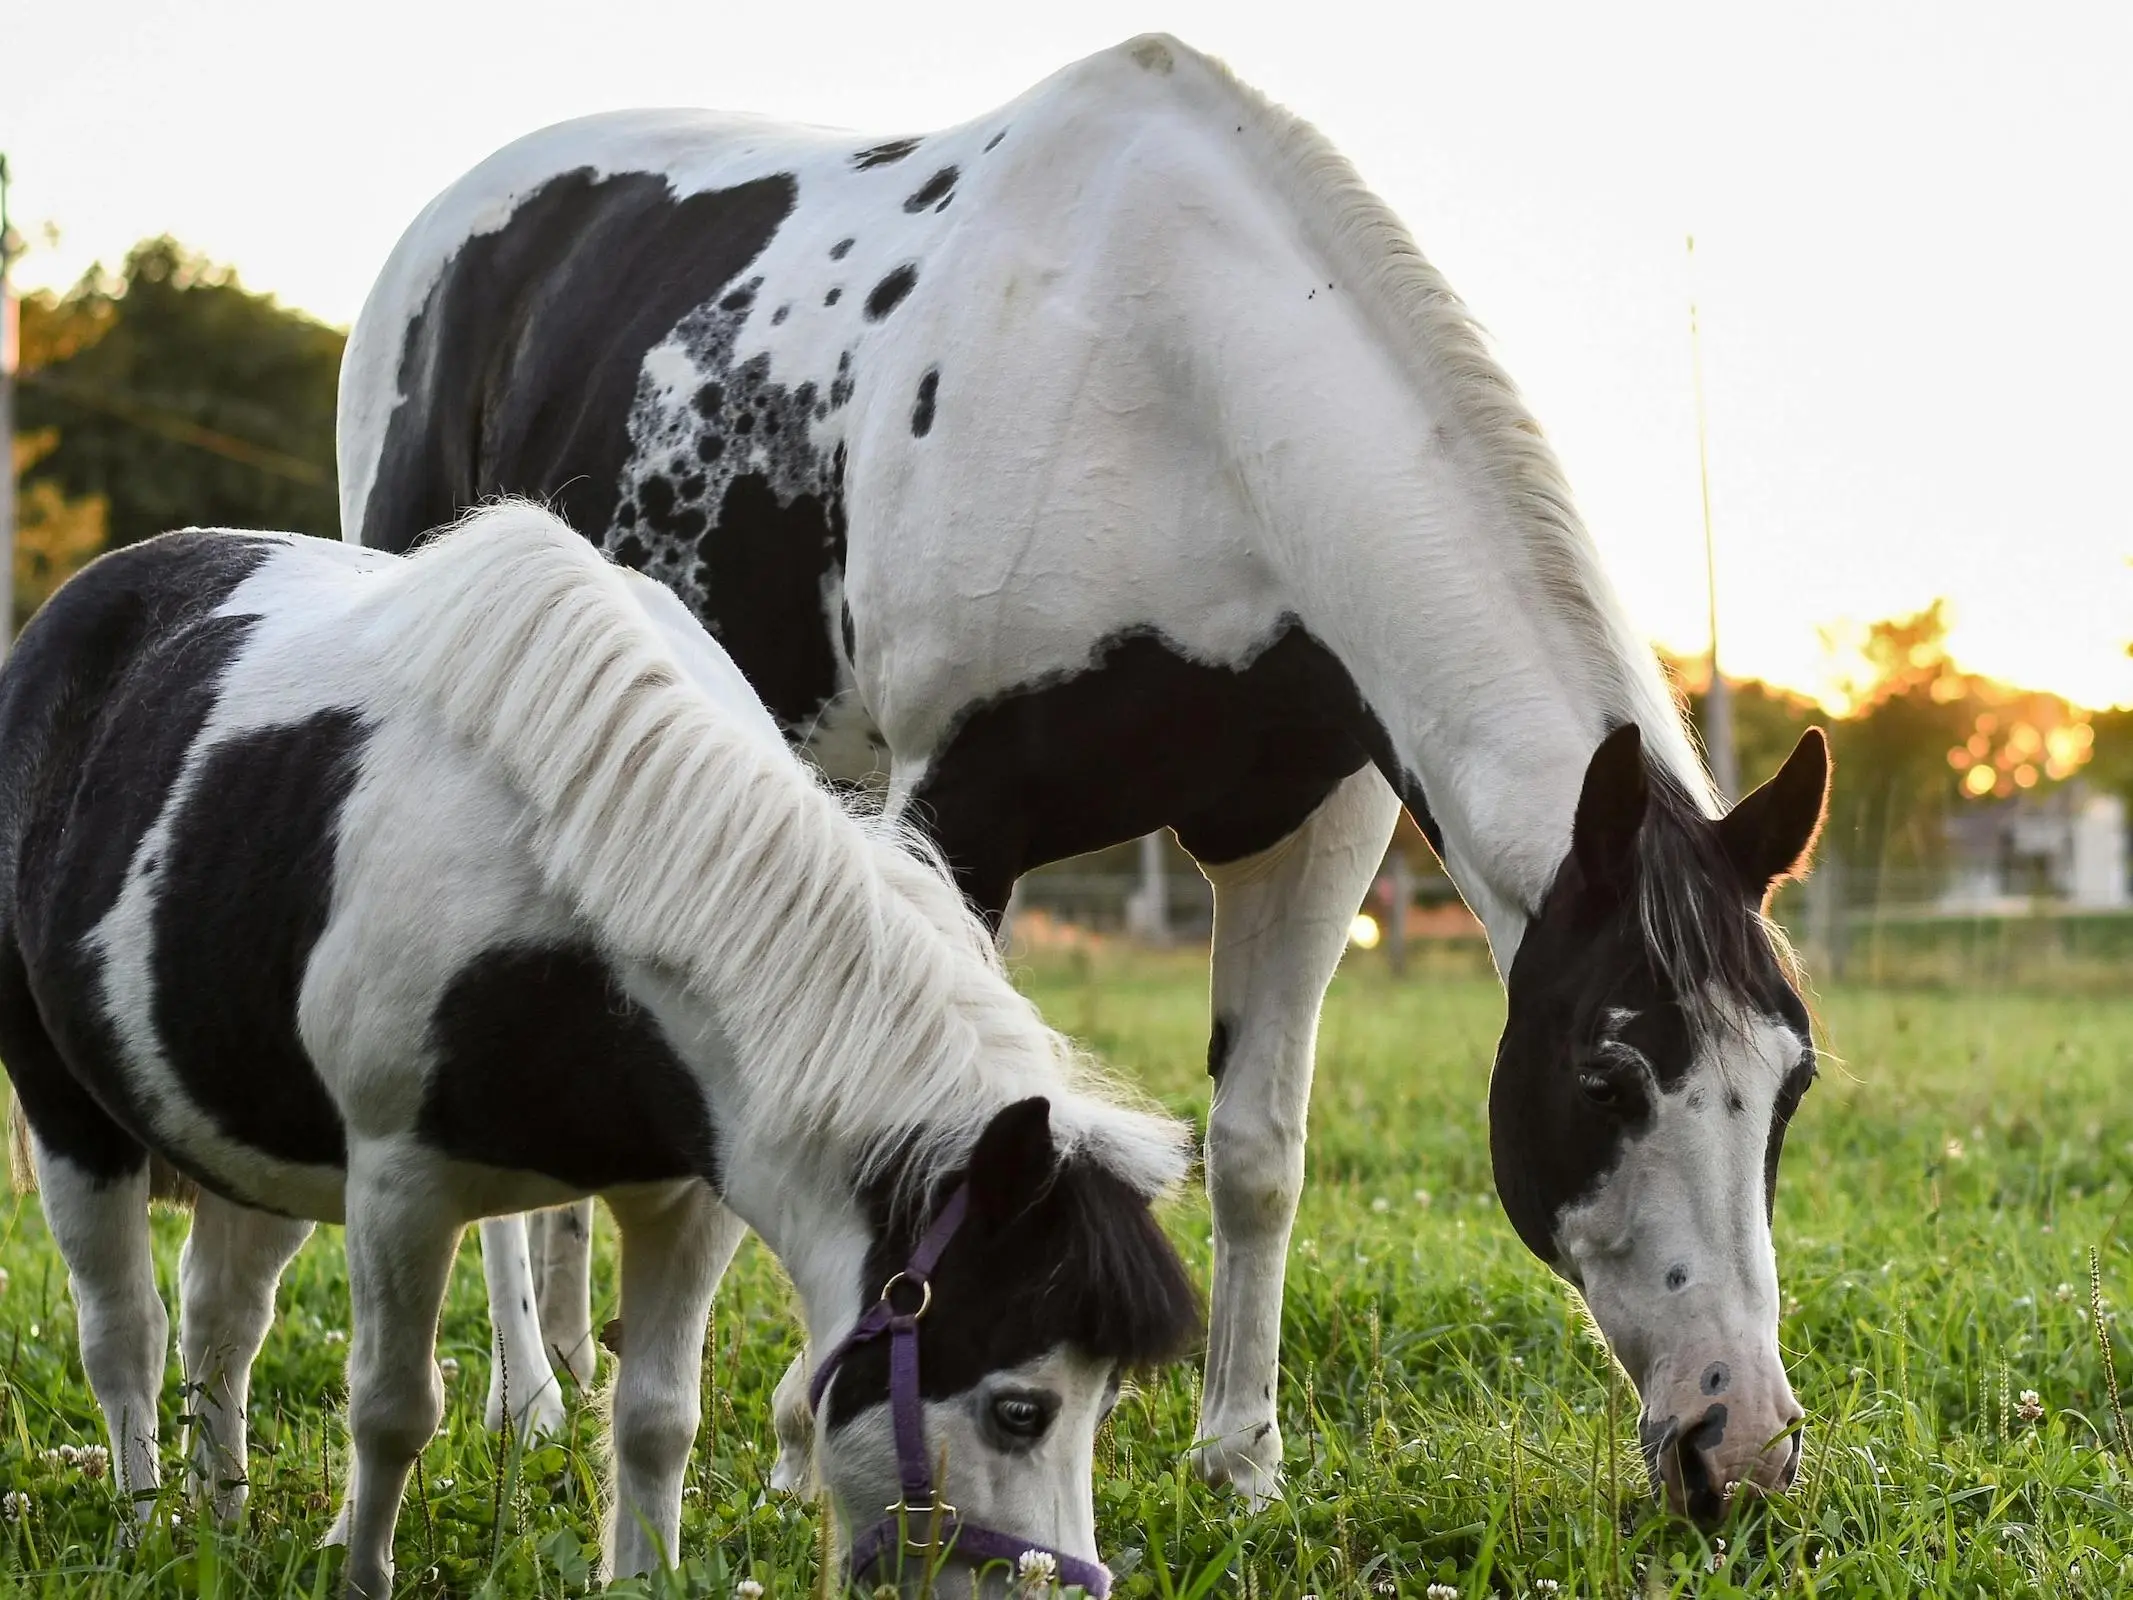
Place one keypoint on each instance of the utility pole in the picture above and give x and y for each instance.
(10, 352)
(1718, 699)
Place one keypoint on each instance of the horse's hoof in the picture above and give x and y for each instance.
(1246, 1460)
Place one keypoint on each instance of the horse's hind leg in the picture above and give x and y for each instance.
(518, 1361)
(676, 1243)
(101, 1227)
(1281, 921)
(227, 1275)
(562, 1287)
(400, 1248)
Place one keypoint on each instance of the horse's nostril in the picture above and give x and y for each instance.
(1702, 1497)
(1798, 1443)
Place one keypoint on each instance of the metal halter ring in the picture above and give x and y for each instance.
(925, 1294)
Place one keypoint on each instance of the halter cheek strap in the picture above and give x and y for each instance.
(920, 1520)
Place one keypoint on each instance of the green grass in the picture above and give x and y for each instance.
(1449, 1418)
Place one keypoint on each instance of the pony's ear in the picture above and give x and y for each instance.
(1611, 810)
(1769, 834)
(1013, 1161)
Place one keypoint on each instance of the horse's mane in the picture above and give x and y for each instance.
(866, 1002)
(1429, 329)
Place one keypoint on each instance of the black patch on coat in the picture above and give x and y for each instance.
(102, 696)
(922, 410)
(888, 294)
(881, 155)
(1234, 758)
(993, 143)
(1218, 1049)
(1069, 1255)
(833, 297)
(934, 191)
(841, 249)
(564, 300)
(246, 888)
(544, 1064)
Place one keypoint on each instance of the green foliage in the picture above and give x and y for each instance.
(1448, 1418)
(182, 399)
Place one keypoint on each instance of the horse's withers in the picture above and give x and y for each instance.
(1654, 1051)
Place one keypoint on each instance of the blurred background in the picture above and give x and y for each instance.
(1857, 448)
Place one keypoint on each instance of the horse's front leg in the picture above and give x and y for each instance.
(400, 1249)
(1281, 921)
(676, 1242)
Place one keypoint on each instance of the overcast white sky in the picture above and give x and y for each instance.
(1914, 232)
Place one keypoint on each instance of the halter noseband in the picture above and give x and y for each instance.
(921, 1521)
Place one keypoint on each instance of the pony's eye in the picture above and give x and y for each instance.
(1021, 1416)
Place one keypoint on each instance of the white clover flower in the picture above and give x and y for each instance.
(3, 1280)
(748, 1589)
(335, 1336)
(1381, 1205)
(449, 1366)
(2030, 1407)
(1546, 1586)
(1441, 1591)
(1037, 1572)
(93, 1460)
(2065, 1291)
(16, 1506)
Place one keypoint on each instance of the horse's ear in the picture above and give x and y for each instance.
(1769, 835)
(1611, 810)
(1013, 1161)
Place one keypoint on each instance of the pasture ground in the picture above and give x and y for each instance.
(1449, 1420)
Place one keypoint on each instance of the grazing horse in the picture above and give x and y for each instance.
(327, 875)
(1113, 461)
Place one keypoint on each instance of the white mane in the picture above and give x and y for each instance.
(865, 1001)
(1447, 353)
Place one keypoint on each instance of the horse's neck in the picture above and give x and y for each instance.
(1492, 651)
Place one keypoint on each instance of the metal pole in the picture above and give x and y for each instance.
(1718, 699)
(10, 342)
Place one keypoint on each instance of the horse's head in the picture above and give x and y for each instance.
(1654, 1050)
(1038, 1276)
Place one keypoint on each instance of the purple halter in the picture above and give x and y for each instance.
(921, 1521)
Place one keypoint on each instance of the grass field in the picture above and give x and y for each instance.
(1449, 1420)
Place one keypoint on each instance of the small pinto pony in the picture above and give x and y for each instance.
(326, 875)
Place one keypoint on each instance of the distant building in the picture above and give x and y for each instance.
(2066, 848)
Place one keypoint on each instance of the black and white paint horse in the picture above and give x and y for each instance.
(1114, 461)
(326, 875)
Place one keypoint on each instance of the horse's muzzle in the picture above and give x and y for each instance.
(1705, 1463)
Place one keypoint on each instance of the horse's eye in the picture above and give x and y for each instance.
(1022, 1416)
(1617, 1091)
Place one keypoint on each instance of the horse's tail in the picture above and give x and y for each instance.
(21, 1164)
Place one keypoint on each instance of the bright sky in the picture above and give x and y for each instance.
(1914, 233)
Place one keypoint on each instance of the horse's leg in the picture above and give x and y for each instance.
(101, 1228)
(676, 1243)
(792, 1419)
(400, 1249)
(562, 1287)
(518, 1361)
(232, 1261)
(1281, 921)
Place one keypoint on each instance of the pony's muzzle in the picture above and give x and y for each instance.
(1705, 1465)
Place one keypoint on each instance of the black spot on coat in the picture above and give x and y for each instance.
(889, 293)
(922, 410)
(881, 155)
(935, 189)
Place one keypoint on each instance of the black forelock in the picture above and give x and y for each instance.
(1085, 1264)
(1702, 935)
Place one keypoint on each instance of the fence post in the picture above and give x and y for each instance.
(1148, 906)
(1400, 879)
